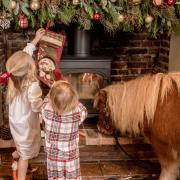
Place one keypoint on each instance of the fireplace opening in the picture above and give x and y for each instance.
(87, 76)
(86, 84)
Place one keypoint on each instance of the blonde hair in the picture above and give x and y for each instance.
(22, 68)
(63, 97)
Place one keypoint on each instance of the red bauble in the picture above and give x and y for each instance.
(96, 16)
(23, 21)
(170, 2)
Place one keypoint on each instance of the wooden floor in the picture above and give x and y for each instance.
(98, 163)
(101, 159)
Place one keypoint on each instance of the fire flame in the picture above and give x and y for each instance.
(88, 77)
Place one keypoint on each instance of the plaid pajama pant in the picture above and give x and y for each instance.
(64, 170)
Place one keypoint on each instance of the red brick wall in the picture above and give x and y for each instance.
(163, 62)
(2, 52)
(133, 54)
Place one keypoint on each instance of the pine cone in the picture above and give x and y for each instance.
(55, 2)
(43, 2)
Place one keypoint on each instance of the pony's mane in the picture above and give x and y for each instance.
(130, 102)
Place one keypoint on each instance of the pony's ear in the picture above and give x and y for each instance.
(100, 99)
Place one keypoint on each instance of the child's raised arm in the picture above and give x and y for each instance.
(31, 47)
(38, 36)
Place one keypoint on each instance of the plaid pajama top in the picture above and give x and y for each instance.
(61, 132)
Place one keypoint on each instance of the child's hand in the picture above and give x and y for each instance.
(39, 33)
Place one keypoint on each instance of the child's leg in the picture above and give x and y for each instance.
(22, 169)
(55, 169)
(73, 171)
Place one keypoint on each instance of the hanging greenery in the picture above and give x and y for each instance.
(154, 16)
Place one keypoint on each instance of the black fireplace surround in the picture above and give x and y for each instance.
(91, 64)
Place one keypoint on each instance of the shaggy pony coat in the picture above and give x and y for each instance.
(150, 106)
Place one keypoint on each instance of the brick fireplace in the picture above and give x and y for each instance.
(130, 54)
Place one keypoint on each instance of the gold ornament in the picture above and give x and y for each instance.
(120, 18)
(75, 2)
(13, 4)
(136, 2)
(148, 19)
(35, 5)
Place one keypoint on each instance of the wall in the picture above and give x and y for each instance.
(2, 69)
(174, 56)
(133, 54)
(163, 60)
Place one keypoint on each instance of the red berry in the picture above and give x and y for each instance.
(96, 16)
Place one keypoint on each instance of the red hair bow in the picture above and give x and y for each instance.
(4, 78)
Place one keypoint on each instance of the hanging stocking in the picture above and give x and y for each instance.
(49, 55)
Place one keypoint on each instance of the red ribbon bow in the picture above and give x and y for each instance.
(4, 78)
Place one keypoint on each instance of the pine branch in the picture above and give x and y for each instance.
(84, 20)
(66, 13)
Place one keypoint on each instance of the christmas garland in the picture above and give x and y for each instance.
(154, 16)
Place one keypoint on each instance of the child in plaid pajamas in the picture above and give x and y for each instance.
(62, 114)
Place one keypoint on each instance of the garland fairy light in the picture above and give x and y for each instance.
(154, 16)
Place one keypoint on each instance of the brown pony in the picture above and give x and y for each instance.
(148, 106)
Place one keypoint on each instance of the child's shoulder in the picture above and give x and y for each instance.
(34, 88)
(33, 84)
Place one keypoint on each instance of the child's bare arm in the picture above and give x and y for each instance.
(38, 36)
(31, 47)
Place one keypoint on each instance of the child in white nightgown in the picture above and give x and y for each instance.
(24, 99)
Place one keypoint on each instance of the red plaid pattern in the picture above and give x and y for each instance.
(64, 170)
(62, 139)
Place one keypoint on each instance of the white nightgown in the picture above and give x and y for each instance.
(24, 120)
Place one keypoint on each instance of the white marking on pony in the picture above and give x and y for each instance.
(170, 172)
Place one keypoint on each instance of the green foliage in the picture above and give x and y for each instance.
(6, 3)
(43, 15)
(83, 19)
(165, 20)
(66, 13)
